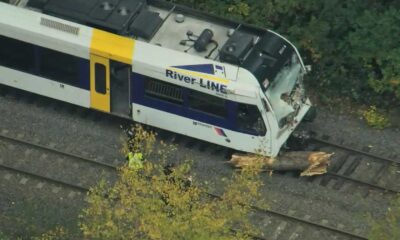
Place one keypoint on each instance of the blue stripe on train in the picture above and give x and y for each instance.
(138, 96)
(84, 74)
(83, 70)
(203, 68)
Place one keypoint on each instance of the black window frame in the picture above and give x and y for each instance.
(59, 66)
(210, 104)
(40, 61)
(17, 54)
(250, 114)
(100, 78)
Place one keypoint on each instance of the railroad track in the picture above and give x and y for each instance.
(182, 141)
(360, 168)
(46, 162)
(349, 165)
(281, 225)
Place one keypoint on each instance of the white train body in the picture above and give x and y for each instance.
(249, 100)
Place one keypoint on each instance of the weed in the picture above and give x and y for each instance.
(375, 118)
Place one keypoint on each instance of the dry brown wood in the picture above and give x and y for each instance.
(311, 163)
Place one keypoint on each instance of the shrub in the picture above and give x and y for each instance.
(156, 204)
(375, 119)
(59, 233)
(3, 236)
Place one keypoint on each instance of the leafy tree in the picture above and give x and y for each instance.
(58, 233)
(3, 236)
(160, 203)
(389, 227)
(377, 49)
(352, 45)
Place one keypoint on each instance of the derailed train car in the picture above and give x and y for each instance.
(159, 64)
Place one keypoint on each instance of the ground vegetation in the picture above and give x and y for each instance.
(164, 200)
(387, 228)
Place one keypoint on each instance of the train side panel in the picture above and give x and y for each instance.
(45, 31)
(63, 58)
(44, 87)
(199, 130)
(35, 46)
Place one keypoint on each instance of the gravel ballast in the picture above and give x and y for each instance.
(99, 137)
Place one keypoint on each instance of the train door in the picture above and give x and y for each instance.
(99, 83)
(120, 81)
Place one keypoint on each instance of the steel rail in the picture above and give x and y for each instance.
(371, 155)
(307, 222)
(267, 211)
(349, 234)
(113, 167)
(372, 185)
(355, 150)
(53, 150)
(43, 178)
(74, 186)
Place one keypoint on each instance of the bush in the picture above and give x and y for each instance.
(3, 236)
(375, 119)
(59, 233)
(153, 203)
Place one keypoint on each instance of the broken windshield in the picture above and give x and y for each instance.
(281, 89)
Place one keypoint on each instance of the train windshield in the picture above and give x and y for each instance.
(286, 91)
(249, 120)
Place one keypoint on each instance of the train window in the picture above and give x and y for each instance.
(16, 54)
(207, 103)
(100, 78)
(249, 119)
(164, 91)
(59, 66)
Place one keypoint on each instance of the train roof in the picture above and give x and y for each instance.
(158, 22)
(45, 31)
(260, 51)
(246, 53)
(77, 39)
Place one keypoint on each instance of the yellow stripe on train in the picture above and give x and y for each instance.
(112, 46)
